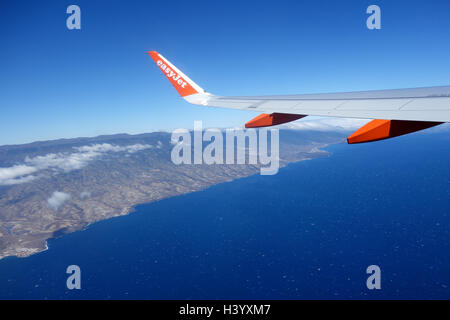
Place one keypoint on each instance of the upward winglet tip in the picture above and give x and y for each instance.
(179, 80)
(153, 54)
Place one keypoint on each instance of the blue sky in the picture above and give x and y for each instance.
(60, 83)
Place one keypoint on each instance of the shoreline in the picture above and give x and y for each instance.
(28, 252)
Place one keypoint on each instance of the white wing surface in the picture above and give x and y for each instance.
(430, 105)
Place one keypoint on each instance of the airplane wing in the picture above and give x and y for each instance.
(396, 112)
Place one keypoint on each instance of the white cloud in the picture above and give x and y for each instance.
(65, 162)
(62, 162)
(99, 148)
(85, 195)
(57, 199)
(137, 147)
(106, 147)
(16, 174)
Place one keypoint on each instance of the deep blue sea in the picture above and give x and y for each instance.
(308, 232)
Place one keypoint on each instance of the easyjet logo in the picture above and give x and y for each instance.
(171, 74)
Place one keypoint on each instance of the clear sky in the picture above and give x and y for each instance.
(60, 83)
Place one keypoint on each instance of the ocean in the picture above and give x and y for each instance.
(309, 232)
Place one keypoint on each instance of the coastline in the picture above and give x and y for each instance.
(27, 252)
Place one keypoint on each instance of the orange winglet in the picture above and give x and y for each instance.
(267, 120)
(385, 129)
(180, 81)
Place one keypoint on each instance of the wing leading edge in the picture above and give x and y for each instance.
(401, 110)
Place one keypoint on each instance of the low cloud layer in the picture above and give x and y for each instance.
(16, 174)
(341, 124)
(61, 162)
(326, 124)
(57, 199)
